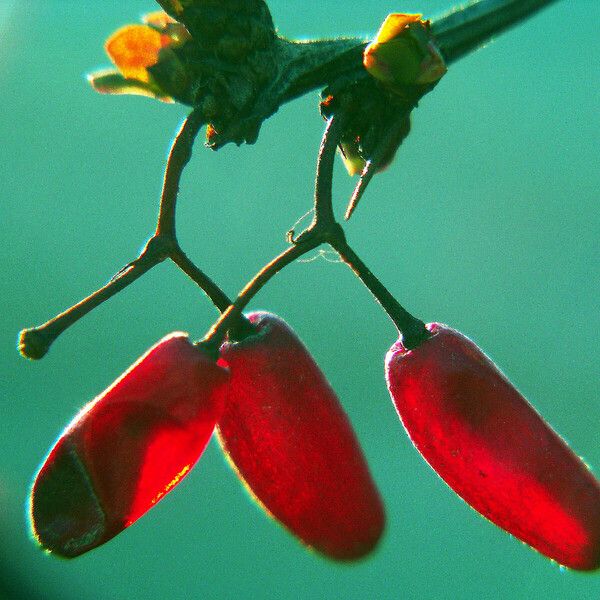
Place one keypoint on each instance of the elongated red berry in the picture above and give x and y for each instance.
(290, 441)
(127, 448)
(493, 449)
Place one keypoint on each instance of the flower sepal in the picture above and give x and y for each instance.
(146, 60)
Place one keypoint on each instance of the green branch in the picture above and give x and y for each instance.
(467, 27)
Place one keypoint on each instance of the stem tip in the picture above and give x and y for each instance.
(34, 343)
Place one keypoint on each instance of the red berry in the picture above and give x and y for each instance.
(127, 448)
(493, 449)
(290, 441)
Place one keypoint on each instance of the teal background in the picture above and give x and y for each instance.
(488, 220)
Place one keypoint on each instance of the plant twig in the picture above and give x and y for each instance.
(459, 32)
(209, 287)
(35, 342)
(179, 156)
(321, 230)
(411, 329)
(467, 27)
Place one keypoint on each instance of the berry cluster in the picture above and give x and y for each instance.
(252, 381)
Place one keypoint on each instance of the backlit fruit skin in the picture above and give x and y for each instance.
(493, 449)
(127, 448)
(291, 443)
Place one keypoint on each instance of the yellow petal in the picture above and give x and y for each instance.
(393, 25)
(134, 48)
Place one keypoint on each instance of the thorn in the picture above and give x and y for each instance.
(365, 177)
(380, 157)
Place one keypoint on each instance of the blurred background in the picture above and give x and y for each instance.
(488, 220)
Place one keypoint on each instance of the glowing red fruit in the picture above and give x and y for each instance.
(493, 449)
(127, 448)
(290, 441)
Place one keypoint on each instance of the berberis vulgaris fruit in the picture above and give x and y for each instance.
(127, 448)
(493, 449)
(290, 441)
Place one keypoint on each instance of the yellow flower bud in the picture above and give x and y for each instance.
(403, 53)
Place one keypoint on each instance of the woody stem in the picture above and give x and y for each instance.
(35, 342)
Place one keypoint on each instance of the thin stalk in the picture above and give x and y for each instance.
(209, 287)
(411, 329)
(323, 228)
(35, 342)
(324, 217)
(231, 317)
(323, 202)
(179, 156)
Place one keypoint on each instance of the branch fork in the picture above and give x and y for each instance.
(279, 71)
